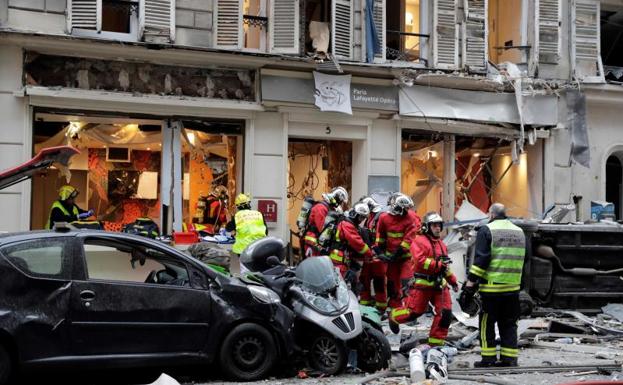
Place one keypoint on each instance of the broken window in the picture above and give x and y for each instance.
(258, 25)
(586, 47)
(403, 30)
(329, 28)
(612, 41)
(505, 36)
(118, 15)
(122, 19)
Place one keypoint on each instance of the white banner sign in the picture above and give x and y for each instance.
(332, 92)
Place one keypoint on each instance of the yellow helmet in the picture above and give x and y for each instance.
(242, 199)
(67, 192)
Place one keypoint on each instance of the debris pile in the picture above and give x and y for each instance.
(556, 347)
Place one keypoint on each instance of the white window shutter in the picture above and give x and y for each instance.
(84, 14)
(284, 26)
(586, 51)
(228, 24)
(445, 35)
(380, 23)
(475, 35)
(157, 20)
(342, 29)
(549, 22)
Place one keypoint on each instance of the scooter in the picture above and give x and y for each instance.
(328, 320)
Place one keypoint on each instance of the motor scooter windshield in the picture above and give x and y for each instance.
(317, 275)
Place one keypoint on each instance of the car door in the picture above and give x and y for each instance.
(35, 295)
(121, 308)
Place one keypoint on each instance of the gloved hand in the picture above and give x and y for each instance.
(445, 260)
(377, 250)
(85, 215)
(455, 287)
(399, 253)
(385, 257)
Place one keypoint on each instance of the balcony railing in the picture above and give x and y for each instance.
(402, 46)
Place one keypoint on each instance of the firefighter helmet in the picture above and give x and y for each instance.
(429, 219)
(372, 204)
(67, 192)
(400, 204)
(337, 196)
(242, 200)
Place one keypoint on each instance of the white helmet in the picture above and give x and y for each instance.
(337, 196)
(400, 204)
(372, 204)
(359, 212)
(429, 219)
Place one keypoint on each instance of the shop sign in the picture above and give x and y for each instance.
(297, 90)
(268, 208)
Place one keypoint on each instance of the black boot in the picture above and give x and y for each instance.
(485, 362)
(507, 362)
(394, 326)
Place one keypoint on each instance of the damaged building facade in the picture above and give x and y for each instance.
(450, 100)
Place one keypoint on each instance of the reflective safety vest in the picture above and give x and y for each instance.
(249, 227)
(60, 206)
(508, 249)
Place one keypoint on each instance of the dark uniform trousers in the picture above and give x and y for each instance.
(503, 309)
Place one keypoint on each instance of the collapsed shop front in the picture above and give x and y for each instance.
(140, 157)
(474, 146)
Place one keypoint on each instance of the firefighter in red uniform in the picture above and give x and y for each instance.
(430, 282)
(330, 201)
(215, 215)
(395, 231)
(374, 272)
(350, 251)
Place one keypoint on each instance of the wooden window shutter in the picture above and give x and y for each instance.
(342, 29)
(157, 20)
(228, 24)
(445, 46)
(586, 46)
(475, 35)
(84, 14)
(284, 26)
(549, 21)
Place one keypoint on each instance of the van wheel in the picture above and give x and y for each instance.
(248, 353)
(6, 366)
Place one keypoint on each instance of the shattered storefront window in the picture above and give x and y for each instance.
(138, 78)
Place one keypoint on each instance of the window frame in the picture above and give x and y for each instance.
(114, 242)
(132, 36)
(66, 271)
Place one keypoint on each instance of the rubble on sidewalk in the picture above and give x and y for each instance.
(560, 345)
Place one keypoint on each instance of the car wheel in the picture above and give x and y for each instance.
(248, 353)
(5, 366)
(373, 350)
(327, 354)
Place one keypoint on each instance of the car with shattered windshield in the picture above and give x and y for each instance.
(93, 299)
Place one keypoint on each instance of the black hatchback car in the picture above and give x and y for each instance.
(99, 299)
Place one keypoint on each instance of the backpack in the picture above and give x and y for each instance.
(302, 221)
(327, 235)
(142, 226)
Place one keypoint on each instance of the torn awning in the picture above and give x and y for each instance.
(491, 107)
